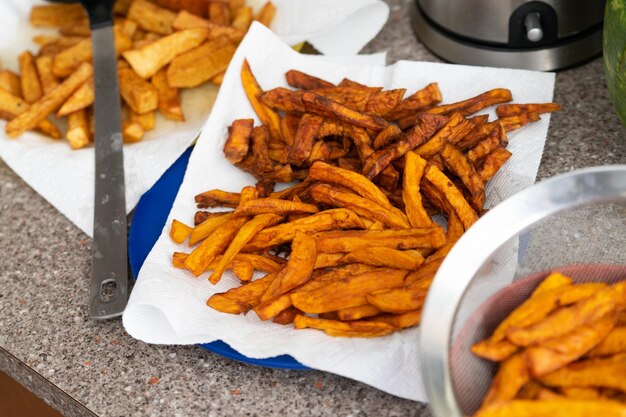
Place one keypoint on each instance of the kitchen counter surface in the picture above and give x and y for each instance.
(86, 368)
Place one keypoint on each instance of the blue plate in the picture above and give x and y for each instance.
(148, 221)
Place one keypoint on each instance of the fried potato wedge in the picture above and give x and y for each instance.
(10, 82)
(169, 98)
(82, 98)
(398, 300)
(77, 134)
(614, 343)
(350, 292)
(510, 378)
(30, 84)
(607, 372)
(151, 17)
(139, 94)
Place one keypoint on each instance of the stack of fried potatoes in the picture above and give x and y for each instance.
(562, 353)
(161, 48)
(359, 246)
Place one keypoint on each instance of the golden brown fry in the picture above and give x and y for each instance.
(238, 141)
(460, 166)
(186, 20)
(132, 131)
(359, 328)
(565, 320)
(179, 232)
(381, 103)
(207, 227)
(169, 97)
(31, 87)
(495, 139)
(151, 17)
(49, 102)
(348, 241)
(46, 77)
(511, 376)
(515, 122)
(266, 14)
(243, 270)
(607, 372)
(242, 18)
(299, 267)
(267, 116)
(324, 106)
(244, 234)
(55, 15)
(419, 101)
(474, 104)
(286, 316)
(271, 205)
(219, 12)
(386, 136)
(581, 393)
(139, 94)
(145, 120)
(556, 407)
(506, 110)
(82, 98)
(358, 312)
(381, 256)
(200, 64)
(398, 300)
(303, 140)
(241, 299)
(214, 198)
(203, 255)
(299, 79)
(197, 7)
(10, 82)
(151, 58)
(325, 260)
(11, 106)
(77, 129)
(452, 195)
(615, 342)
(557, 352)
(456, 126)
(493, 162)
(413, 171)
(553, 281)
(76, 28)
(323, 193)
(350, 292)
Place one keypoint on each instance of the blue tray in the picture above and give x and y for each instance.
(146, 226)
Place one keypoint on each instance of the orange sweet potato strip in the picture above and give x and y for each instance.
(350, 292)
(414, 167)
(359, 328)
(381, 256)
(358, 312)
(381, 103)
(242, 270)
(615, 342)
(241, 299)
(299, 79)
(275, 206)
(506, 110)
(493, 162)
(267, 116)
(607, 372)
(512, 375)
(244, 234)
(398, 300)
(214, 198)
(203, 255)
(419, 101)
(179, 231)
(515, 122)
(207, 227)
(323, 193)
(553, 407)
(474, 104)
(350, 240)
(304, 138)
(555, 353)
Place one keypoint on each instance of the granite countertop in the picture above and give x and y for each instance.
(85, 368)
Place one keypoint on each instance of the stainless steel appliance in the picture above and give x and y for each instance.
(539, 35)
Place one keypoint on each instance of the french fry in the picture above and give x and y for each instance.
(400, 321)
(460, 166)
(241, 299)
(299, 79)
(360, 328)
(474, 104)
(49, 102)
(266, 14)
(219, 12)
(10, 82)
(132, 131)
(213, 198)
(271, 205)
(553, 408)
(493, 162)
(350, 292)
(151, 58)
(179, 232)
(398, 300)
(607, 372)
(200, 64)
(358, 312)
(323, 193)
(82, 98)
(207, 227)
(350, 240)
(381, 256)
(506, 110)
(238, 141)
(413, 172)
(44, 68)
(267, 116)
(31, 87)
(11, 106)
(303, 140)
(197, 7)
(586, 393)
(511, 377)
(243, 270)
(169, 97)
(140, 95)
(151, 17)
(323, 106)
(56, 15)
(244, 234)
(615, 342)
(419, 101)
(145, 120)
(77, 129)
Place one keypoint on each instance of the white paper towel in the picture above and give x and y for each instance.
(168, 306)
(65, 177)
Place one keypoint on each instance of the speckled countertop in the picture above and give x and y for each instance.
(85, 368)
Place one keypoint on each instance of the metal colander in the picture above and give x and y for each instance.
(574, 223)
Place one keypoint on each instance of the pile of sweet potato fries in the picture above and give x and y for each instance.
(561, 352)
(357, 237)
(161, 48)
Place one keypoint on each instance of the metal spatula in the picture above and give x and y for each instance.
(109, 271)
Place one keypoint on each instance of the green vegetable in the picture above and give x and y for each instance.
(615, 54)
